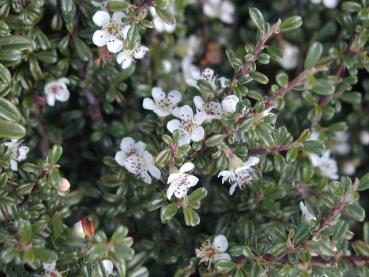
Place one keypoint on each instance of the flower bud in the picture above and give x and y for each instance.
(229, 103)
(63, 185)
(78, 230)
(84, 228)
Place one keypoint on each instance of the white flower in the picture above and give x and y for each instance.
(159, 24)
(108, 266)
(129, 148)
(222, 9)
(136, 160)
(189, 125)
(18, 153)
(331, 4)
(141, 166)
(163, 104)
(327, 166)
(229, 103)
(308, 216)
(63, 185)
(215, 251)
(195, 75)
(364, 137)
(290, 56)
(57, 90)
(112, 32)
(341, 146)
(240, 175)
(49, 267)
(349, 167)
(212, 109)
(126, 57)
(180, 182)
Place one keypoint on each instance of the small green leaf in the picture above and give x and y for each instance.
(68, 8)
(313, 55)
(214, 140)
(313, 146)
(258, 18)
(323, 87)
(10, 130)
(259, 77)
(191, 217)
(55, 154)
(291, 23)
(166, 16)
(168, 212)
(364, 183)
(9, 111)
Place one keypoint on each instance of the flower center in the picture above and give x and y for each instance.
(114, 28)
(56, 89)
(165, 104)
(188, 126)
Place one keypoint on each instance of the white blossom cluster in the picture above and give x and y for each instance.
(112, 34)
(137, 160)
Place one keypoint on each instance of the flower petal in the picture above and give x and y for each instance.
(50, 98)
(161, 113)
(124, 59)
(174, 97)
(186, 167)
(191, 181)
(220, 243)
(13, 165)
(155, 172)
(63, 96)
(117, 16)
(170, 191)
(180, 191)
(101, 18)
(252, 161)
(148, 104)
(100, 38)
(120, 158)
(158, 94)
(146, 177)
(199, 103)
(140, 51)
(127, 144)
(186, 112)
(222, 256)
(198, 134)
(173, 176)
(125, 30)
(114, 44)
(232, 188)
(173, 125)
(199, 118)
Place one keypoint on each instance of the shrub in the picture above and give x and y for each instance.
(184, 138)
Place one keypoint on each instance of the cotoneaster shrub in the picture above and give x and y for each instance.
(184, 138)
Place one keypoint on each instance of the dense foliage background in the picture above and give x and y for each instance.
(303, 90)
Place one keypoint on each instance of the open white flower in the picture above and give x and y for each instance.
(215, 251)
(331, 4)
(136, 160)
(239, 176)
(127, 57)
(163, 104)
(189, 125)
(57, 90)
(341, 145)
(308, 216)
(364, 137)
(141, 166)
(213, 110)
(195, 75)
(222, 9)
(229, 103)
(112, 32)
(129, 148)
(327, 166)
(179, 182)
(49, 267)
(18, 153)
(159, 24)
(108, 266)
(290, 56)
